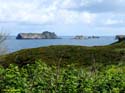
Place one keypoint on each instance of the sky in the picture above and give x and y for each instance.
(64, 17)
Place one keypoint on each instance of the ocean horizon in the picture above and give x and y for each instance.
(12, 44)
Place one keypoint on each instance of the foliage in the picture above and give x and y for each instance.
(78, 55)
(42, 78)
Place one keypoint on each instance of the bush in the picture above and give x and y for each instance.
(41, 78)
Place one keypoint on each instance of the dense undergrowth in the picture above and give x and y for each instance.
(41, 78)
(67, 69)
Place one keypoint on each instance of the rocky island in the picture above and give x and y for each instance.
(44, 35)
(79, 37)
(93, 37)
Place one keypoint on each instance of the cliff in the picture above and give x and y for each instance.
(44, 35)
(120, 38)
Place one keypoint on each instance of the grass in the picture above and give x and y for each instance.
(78, 55)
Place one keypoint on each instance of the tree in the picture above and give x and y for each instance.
(3, 37)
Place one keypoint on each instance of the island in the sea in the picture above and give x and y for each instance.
(79, 37)
(44, 35)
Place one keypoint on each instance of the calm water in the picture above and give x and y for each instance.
(13, 45)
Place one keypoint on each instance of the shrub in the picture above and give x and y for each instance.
(41, 78)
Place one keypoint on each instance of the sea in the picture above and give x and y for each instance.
(12, 44)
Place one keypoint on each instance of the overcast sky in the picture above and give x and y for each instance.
(64, 17)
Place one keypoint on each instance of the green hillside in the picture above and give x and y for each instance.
(66, 54)
(75, 69)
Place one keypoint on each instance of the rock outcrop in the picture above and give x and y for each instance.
(79, 37)
(92, 37)
(120, 38)
(44, 35)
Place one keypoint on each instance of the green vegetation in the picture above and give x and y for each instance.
(64, 69)
(41, 78)
(78, 55)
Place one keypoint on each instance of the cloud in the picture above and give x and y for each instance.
(114, 23)
(87, 18)
(68, 4)
(42, 12)
(110, 20)
(99, 6)
(74, 17)
(26, 12)
(85, 12)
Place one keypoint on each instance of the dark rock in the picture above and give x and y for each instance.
(44, 35)
(93, 37)
(79, 37)
(120, 38)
